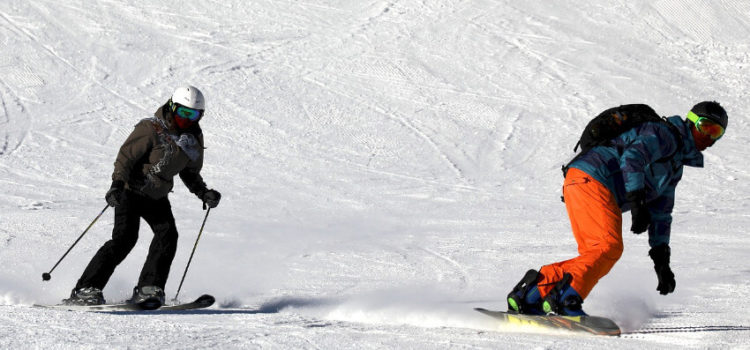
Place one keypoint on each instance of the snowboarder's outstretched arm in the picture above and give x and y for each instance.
(644, 145)
(658, 238)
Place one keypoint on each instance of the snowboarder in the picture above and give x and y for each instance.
(160, 147)
(637, 171)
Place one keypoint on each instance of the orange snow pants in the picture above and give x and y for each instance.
(596, 220)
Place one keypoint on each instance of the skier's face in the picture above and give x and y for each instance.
(702, 141)
(185, 117)
(705, 130)
(182, 123)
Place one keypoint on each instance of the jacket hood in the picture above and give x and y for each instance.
(164, 117)
(691, 156)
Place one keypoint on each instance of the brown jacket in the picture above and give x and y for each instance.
(155, 152)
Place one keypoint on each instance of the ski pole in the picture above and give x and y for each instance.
(46, 276)
(191, 254)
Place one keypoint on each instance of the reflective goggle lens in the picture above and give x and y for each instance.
(188, 113)
(706, 126)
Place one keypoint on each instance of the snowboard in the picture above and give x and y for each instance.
(201, 302)
(583, 324)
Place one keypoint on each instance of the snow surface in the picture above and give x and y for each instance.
(385, 166)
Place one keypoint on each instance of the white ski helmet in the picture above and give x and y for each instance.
(189, 96)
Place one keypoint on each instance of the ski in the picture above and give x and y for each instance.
(586, 324)
(201, 302)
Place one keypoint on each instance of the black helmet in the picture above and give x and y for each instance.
(711, 110)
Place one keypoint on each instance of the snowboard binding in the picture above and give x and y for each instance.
(525, 297)
(563, 299)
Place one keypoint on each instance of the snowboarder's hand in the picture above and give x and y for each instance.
(114, 195)
(660, 256)
(211, 198)
(639, 211)
(666, 280)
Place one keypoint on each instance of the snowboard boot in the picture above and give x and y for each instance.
(148, 297)
(85, 296)
(563, 299)
(525, 297)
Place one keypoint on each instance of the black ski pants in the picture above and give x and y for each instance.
(158, 214)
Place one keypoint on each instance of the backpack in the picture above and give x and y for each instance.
(614, 121)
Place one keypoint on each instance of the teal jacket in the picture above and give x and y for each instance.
(639, 159)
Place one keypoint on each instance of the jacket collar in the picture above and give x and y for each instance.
(691, 156)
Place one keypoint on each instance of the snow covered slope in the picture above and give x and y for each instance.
(385, 166)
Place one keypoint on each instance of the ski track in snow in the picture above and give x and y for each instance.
(6, 136)
(385, 166)
(408, 125)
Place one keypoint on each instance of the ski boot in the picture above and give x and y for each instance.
(85, 296)
(563, 299)
(148, 297)
(525, 297)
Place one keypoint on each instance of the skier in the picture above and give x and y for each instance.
(638, 172)
(160, 147)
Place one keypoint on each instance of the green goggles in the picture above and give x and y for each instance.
(706, 126)
(187, 113)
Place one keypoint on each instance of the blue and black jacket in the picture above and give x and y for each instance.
(645, 157)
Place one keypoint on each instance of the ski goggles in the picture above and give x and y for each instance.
(706, 126)
(187, 113)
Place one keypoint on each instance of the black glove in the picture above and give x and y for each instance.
(210, 198)
(660, 256)
(114, 195)
(639, 210)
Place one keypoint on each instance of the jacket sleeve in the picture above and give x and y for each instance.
(191, 174)
(661, 217)
(136, 146)
(642, 146)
